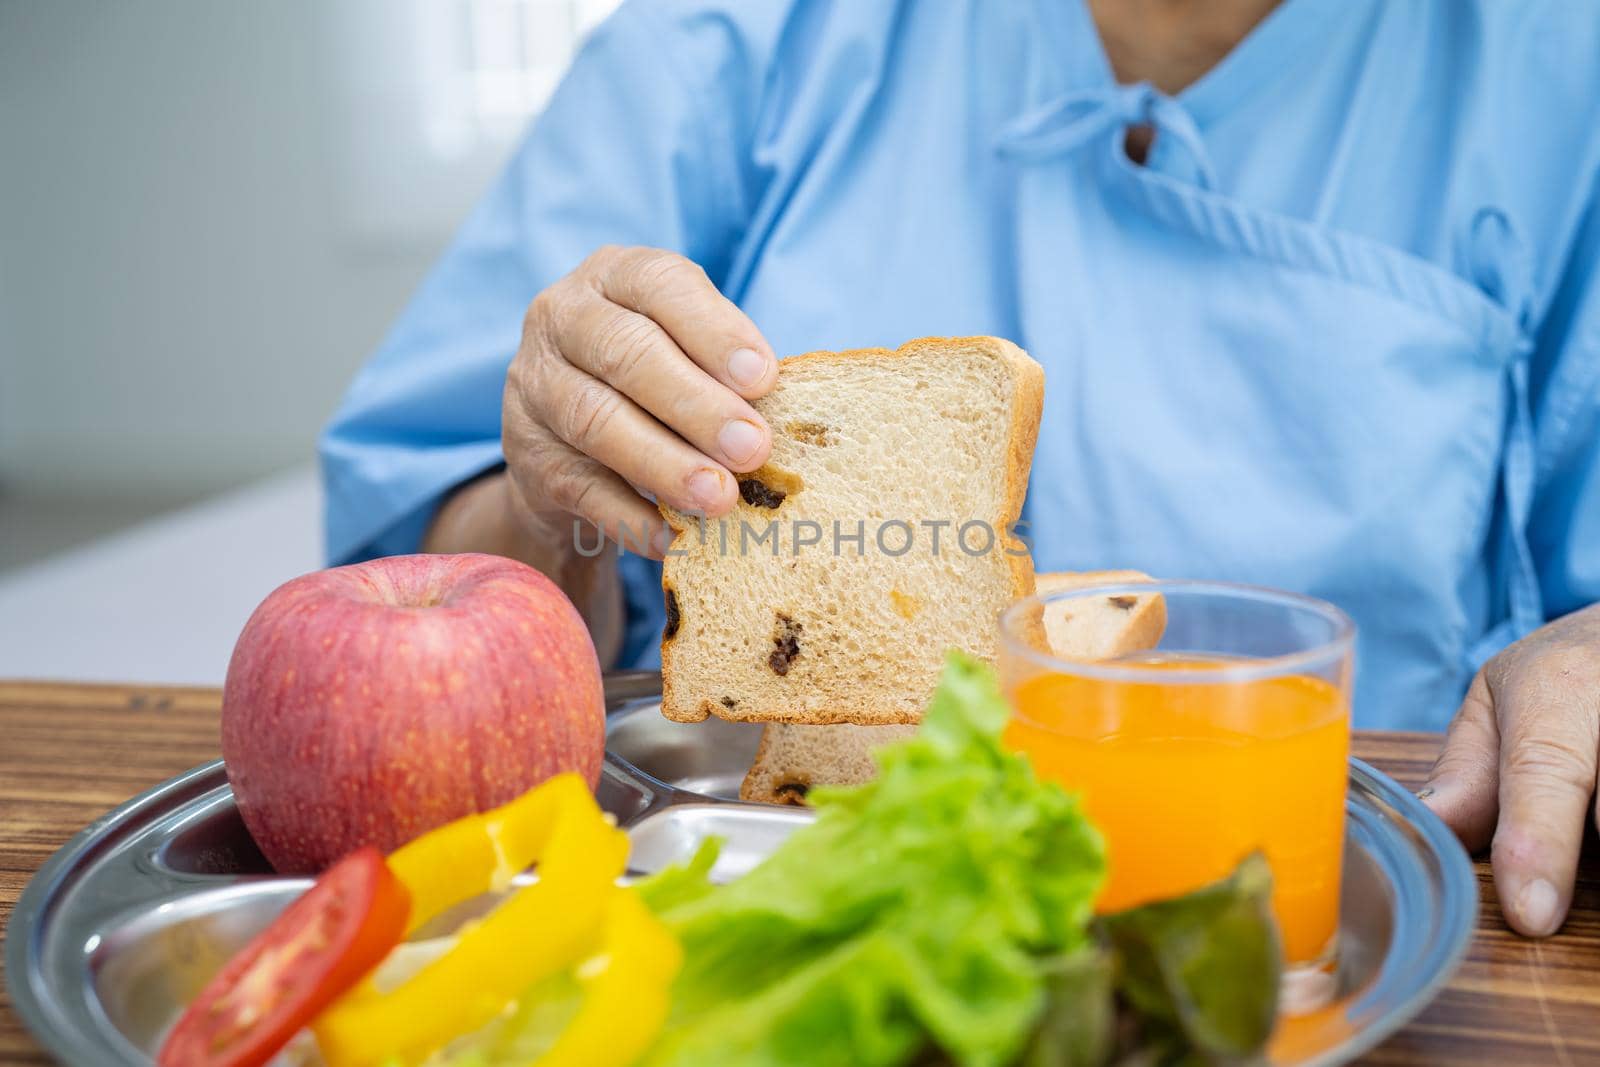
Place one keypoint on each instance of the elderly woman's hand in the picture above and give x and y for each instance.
(634, 371)
(1518, 767)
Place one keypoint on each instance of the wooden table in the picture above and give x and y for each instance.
(70, 752)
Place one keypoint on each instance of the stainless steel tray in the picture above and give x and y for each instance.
(123, 926)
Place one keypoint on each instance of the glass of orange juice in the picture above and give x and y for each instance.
(1230, 736)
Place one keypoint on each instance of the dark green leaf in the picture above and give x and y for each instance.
(1205, 964)
(1078, 1026)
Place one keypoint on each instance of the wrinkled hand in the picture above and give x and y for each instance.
(633, 371)
(1519, 763)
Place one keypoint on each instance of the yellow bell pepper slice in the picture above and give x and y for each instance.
(627, 990)
(482, 853)
(537, 932)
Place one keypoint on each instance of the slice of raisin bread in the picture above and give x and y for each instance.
(793, 758)
(1100, 627)
(878, 535)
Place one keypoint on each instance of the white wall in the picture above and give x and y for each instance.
(210, 210)
(181, 302)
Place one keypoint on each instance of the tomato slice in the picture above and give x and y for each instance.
(320, 946)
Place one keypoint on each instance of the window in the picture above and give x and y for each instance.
(433, 96)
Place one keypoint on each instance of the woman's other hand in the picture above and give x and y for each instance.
(1518, 768)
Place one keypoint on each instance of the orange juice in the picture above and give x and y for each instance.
(1185, 777)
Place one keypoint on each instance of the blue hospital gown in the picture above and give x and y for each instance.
(1339, 334)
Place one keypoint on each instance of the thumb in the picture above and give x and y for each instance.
(1463, 787)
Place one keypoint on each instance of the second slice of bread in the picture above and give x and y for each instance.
(876, 443)
(794, 758)
(1100, 627)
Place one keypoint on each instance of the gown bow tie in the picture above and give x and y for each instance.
(1075, 118)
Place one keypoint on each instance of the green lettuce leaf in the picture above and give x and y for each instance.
(916, 911)
(681, 884)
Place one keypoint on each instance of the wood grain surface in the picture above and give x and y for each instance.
(68, 753)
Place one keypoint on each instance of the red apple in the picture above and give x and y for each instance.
(368, 704)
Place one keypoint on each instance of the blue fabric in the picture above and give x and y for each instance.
(1340, 334)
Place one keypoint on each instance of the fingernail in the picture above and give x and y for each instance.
(1536, 906)
(705, 485)
(1437, 791)
(739, 440)
(747, 367)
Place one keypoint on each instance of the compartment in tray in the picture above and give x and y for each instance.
(709, 758)
(212, 840)
(144, 972)
(749, 834)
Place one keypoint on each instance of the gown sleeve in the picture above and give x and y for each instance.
(633, 149)
(1564, 529)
